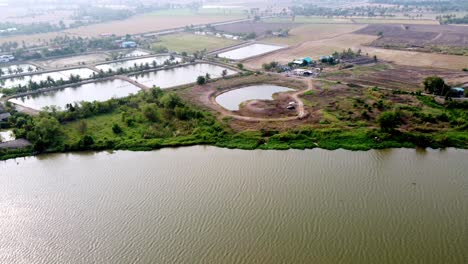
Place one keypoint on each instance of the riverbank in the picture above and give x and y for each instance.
(339, 116)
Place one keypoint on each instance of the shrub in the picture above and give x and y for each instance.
(201, 80)
(116, 129)
(389, 120)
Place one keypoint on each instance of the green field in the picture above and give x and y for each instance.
(190, 42)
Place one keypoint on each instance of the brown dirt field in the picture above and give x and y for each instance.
(418, 35)
(354, 41)
(395, 76)
(268, 108)
(134, 25)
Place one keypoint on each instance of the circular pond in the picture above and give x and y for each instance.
(232, 99)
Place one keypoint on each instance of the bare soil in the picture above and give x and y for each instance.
(417, 35)
(396, 76)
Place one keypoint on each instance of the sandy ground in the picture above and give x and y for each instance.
(72, 61)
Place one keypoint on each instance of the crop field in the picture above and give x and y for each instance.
(258, 28)
(73, 60)
(311, 43)
(312, 32)
(135, 25)
(353, 20)
(395, 21)
(190, 42)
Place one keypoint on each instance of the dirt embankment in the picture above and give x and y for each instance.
(255, 110)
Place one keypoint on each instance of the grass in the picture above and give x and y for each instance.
(190, 42)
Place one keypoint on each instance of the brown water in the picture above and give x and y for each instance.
(210, 205)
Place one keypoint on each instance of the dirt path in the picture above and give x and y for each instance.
(301, 112)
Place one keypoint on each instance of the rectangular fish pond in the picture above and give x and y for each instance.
(11, 70)
(84, 73)
(249, 51)
(95, 91)
(180, 75)
(131, 63)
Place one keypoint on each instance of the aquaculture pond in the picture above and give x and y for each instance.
(6, 135)
(180, 75)
(248, 51)
(136, 53)
(96, 91)
(232, 99)
(17, 69)
(209, 205)
(131, 63)
(84, 73)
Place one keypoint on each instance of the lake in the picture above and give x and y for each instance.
(209, 205)
(180, 75)
(248, 51)
(232, 99)
(84, 73)
(96, 91)
(131, 63)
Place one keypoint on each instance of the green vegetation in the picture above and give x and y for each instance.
(356, 118)
(435, 85)
(191, 43)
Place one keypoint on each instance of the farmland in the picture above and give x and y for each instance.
(190, 42)
(445, 38)
(310, 42)
(135, 25)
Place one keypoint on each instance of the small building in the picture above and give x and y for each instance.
(6, 58)
(307, 61)
(128, 44)
(302, 72)
(458, 92)
(4, 117)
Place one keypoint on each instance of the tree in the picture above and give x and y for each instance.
(45, 133)
(224, 73)
(240, 66)
(150, 112)
(201, 80)
(116, 129)
(389, 120)
(435, 85)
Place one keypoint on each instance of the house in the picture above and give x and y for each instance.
(128, 44)
(6, 58)
(304, 61)
(458, 92)
(4, 117)
(302, 72)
